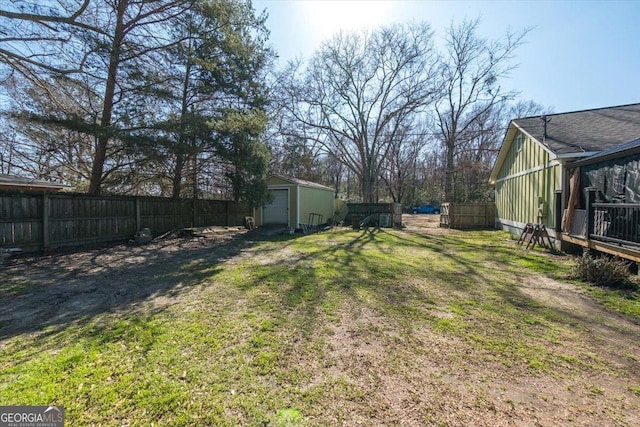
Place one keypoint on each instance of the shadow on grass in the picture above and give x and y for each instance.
(360, 265)
(479, 268)
(51, 293)
(481, 258)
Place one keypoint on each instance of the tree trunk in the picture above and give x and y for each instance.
(177, 176)
(180, 156)
(194, 161)
(449, 172)
(368, 187)
(107, 106)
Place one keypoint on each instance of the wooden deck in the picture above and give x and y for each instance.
(629, 252)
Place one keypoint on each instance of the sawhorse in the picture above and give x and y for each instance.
(535, 234)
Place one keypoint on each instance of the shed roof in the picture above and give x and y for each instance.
(20, 182)
(302, 182)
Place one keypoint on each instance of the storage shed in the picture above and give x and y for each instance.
(12, 182)
(294, 202)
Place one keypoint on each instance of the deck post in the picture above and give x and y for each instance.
(558, 211)
(591, 198)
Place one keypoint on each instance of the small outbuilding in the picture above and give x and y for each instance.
(295, 203)
(20, 183)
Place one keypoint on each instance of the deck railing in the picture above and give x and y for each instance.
(612, 222)
(616, 222)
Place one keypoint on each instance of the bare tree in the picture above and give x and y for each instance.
(359, 91)
(8, 148)
(471, 69)
(399, 167)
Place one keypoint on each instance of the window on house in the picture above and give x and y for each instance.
(519, 142)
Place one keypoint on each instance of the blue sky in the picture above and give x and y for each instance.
(578, 55)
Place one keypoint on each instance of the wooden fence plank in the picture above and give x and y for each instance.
(468, 215)
(36, 221)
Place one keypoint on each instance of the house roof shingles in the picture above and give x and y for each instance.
(585, 131)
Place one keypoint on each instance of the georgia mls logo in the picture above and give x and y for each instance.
(31, 416)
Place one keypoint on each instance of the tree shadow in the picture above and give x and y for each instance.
(39, 294)
(44, 296)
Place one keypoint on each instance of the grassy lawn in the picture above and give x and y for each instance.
(346, 328)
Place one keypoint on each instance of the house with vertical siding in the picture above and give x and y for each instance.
(538, 156)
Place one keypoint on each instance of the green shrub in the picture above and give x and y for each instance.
(603, 271)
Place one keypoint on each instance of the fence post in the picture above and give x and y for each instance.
(558, 210)
(452, 216)
(226, 212)
(45, 221)
(193, 212)
(591, 198)
(138, 215)
(486, 215)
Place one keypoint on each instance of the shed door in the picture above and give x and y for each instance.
(277, 212)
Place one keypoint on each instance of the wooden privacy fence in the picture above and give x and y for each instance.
(468, 215)
(36, 221)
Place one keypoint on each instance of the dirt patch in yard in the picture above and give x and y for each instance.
(423, 223)
(38, 292)
(446, 381)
